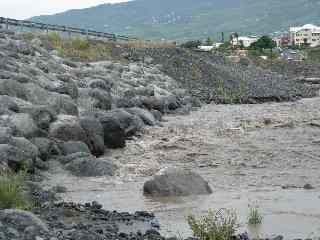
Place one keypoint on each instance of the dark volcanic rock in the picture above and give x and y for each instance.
(129, 123)
(64, 104)
(74, 156)
(17, 224)
(176, 182)
(22, 125)
(93, 222)
(95, 135)
(5, 135)
(7, 104)
(71, 147)
(117, 126)
(102, 98)
(31, 152)
(91, 167)
(47, 148)
(144, 114)
(42, 115)
(67, 128)
(15, 157)
(13, 89)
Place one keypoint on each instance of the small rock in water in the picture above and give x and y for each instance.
(289, 186)
(96, 205)
(308, 187)
(59, 189)
(279, 237)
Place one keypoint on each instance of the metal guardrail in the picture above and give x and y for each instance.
(65, 29)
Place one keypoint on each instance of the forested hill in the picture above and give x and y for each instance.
(190, 19)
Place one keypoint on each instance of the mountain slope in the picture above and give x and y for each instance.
(190, 19)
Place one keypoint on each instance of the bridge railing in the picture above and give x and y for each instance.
(65, 29)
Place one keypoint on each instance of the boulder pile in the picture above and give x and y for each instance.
(56, 108)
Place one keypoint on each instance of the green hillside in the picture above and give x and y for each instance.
(190, 19)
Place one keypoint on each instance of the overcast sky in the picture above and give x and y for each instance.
(21, 9)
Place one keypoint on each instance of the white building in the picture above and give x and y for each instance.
(244, 41)
(308, 34)
(206, 48)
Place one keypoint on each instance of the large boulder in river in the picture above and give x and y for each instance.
(117, 126)
(176, 182)
(18, 224)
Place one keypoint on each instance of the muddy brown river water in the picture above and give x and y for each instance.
(250, 154)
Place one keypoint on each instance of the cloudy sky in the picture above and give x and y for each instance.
(21, 9)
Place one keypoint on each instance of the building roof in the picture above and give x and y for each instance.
(247, 39)
(306, 26)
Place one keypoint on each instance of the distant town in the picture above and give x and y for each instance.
(289, 46)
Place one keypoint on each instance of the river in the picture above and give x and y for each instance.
(251, 155)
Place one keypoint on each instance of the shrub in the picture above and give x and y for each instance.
(55, 38)
(191, 44)
(216, 225)
(28, 36)
(12, 191)
(79, 44)
(255, 217)
(225, 95)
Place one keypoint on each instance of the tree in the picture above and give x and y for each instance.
(264, 42)
(209, 41)
(241, 44)
(236, 35)
(191, 44)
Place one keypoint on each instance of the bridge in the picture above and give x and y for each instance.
(6, 22)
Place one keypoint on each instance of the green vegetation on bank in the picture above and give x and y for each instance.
(81, 48)
(12, 191)
(78, 48)
(216, 225)
(255, 217)
(313, 54)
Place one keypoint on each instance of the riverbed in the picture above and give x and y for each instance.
(251, 155)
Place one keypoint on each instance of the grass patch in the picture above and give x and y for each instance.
(28, 36)
(12, 195)
(216, 225)
(140, 44)
(225, 95)
(255, 217)
(79, 48)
